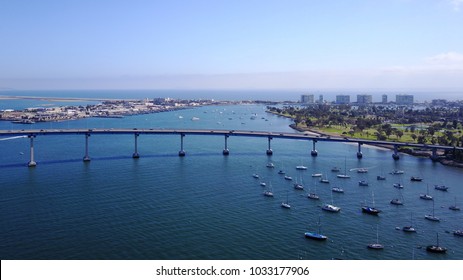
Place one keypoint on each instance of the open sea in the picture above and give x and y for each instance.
(206, 205)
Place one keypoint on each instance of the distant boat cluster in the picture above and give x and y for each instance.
(367, 209)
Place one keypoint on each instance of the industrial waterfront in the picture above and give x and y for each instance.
(207, 205)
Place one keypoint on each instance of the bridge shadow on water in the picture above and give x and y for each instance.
(113, 158)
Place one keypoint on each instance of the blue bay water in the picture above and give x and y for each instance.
(206, 205)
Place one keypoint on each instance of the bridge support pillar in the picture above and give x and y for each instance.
(359, 152)
(434, 156)
(135, 153)
(225, 151)
(269, 150)
(86, 157)
(395, 155)
(181, 153)
(314, 152)
(32, 162)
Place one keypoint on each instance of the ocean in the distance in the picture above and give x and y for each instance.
(206, 205)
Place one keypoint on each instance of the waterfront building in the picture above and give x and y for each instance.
(364, 98)
(384, 99)
(404, 99)
(342, 99)
(439, 102)
(307, 98)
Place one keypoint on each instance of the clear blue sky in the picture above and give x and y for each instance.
(294, 44)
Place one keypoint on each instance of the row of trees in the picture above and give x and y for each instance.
(440, 129)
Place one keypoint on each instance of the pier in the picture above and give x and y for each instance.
(33, 133)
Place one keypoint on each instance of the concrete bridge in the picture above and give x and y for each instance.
(32, 133)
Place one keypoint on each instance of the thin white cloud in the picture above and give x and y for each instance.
(456, 4)
(448, 58)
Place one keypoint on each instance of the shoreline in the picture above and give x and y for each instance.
(442, 159)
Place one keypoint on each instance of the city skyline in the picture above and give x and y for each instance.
(232, 45)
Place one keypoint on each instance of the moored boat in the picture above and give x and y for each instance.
(377, 245)
(441, 188)
(416, 179)
(316, 235)
(397, 201)
(268, 193)
(370, 210)
(363, 183)
(331, 208)
(436, 248)
(337, 190)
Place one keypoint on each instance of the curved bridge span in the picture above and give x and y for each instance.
(32, 133)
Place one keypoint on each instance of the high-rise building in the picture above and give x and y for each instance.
(320, 99)
(384, 98)
(342, 99)
(404, 99)
(364, 98)
(307, 98)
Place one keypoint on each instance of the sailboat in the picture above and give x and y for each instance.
(301, 167)
(344, 176)
(331, 207)
(313, 195)
(454, 207)
(432, 217)
(409, 228)
(398, 201)
(337, 190)
(298, 186)
(325, 180)
(436, 248)
(286, 204)
(363, 183)
(381, 177)
(268, 192)
(377, 245)
(371, 210)
(314, 235)
(426, 196)
(441, 188)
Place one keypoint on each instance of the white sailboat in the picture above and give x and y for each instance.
(426, 196)
(313, 195)
(298, 186)
(432, 217)
(331, 207)
(344, 176)
(454, 207)
(377, 245)
(409, 228)
(286, 204)
(301, 166)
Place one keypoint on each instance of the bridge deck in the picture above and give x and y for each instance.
(242, 133)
